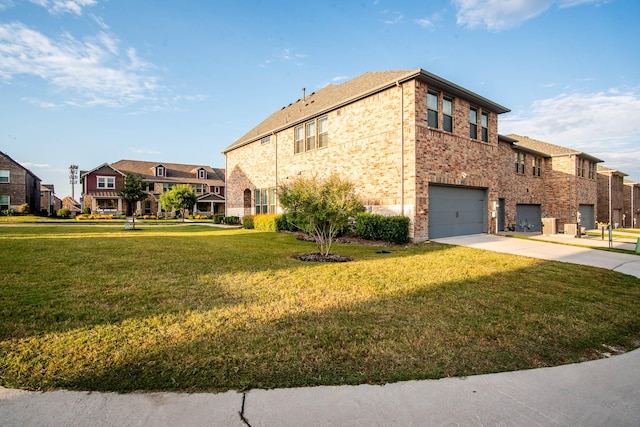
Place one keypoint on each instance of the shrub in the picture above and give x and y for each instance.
(290, 221)
(86, 211)
(64, 213)
(199, 216)
(393, 229)
(232, 220)
(23, 209)
(85, 217)
(247, 222)
(266, 222)
(217, 219)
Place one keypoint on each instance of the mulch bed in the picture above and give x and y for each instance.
(316, 257)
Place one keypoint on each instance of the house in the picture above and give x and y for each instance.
(631, 213)
(611, 195)
(49, 202)
(543, 180)
(73, 205)
(18, 186)
(413, 143)
(101, 185)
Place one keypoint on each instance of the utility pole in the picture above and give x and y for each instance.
(73, 179)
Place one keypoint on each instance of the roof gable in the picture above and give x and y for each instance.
(548, 149)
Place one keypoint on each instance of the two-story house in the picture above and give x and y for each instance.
(413, 143)
(101, 186)
(631, 204)
(18, 186)
(542, 180)
(49, 202)
(611, 196)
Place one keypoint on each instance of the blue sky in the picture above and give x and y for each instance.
(92, 81)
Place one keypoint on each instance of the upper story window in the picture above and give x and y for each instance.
(592, 170)
(537, 166)
(582, 166)
(266, 140)
(216, 190)
(519, 159)
(447, 114)
(432, 109)
(484, 123)
(107, 182)
(159, 170)
(5, 176)
(148, 186)
(201, 188)
(473, 123)
(311, 135)
(202, 174)
(166, 186)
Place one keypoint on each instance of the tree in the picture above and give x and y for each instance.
(180, 198)
(133, 193)
(324, 207)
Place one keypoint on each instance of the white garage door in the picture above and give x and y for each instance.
(456, 211)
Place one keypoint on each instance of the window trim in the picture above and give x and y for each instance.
(431, 112)
(160, 170)
(7, 176)
(202, 174)
(448, 99)
(8, 200)
(484, 126)
(520, 160)
(304, 142)
(473, 125)
(107, 180)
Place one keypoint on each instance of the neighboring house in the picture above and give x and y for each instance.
(611, 195)
(100, 186)
(71, 204)
(543, 180)
(18, 186)
(631, 204)
(413, 143)
(48, 199)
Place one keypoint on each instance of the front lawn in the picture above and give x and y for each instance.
(200, 308)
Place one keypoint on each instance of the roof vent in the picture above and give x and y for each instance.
(303, 93)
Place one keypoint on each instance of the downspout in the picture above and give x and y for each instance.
(610, 198)
(275, 137)
(226, 193)
(401, 147)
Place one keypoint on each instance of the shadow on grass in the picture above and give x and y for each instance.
(539, 314)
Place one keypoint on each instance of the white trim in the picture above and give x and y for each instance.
(8, 176)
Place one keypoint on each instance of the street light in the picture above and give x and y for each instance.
(73, 179)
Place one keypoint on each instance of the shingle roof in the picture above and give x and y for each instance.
(546, 148)
(176, 172)
(333, 96)
(607, 170)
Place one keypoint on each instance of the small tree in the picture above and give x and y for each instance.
(133, 193)
(323, 207)
(180, 198)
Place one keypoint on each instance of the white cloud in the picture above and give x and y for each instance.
(143, 150)
(603, 124)
(497, 15)
(65, 6)
(30, 165)
(94, 69)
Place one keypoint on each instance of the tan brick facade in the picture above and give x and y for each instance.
(631, 204)
(611, 197)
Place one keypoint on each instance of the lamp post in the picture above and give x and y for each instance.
(73, 179)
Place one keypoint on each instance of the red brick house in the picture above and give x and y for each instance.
(18, 186)
(413, 143)
(631, 213)
(611, 196)
(101, 185)
(543, 180)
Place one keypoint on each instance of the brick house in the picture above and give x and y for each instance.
(49, 203)
(542, 180)
(631, 204)
(413, 143)
(101, 185)
(71, 204)
(611, 195)
(18, 185)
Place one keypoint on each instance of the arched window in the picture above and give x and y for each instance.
(247, 201)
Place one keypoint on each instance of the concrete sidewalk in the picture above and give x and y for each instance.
(603, 392)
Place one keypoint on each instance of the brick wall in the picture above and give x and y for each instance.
(632, 205)
(610, 203)
(23, 187)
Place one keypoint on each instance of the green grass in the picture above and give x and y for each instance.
(200, 308)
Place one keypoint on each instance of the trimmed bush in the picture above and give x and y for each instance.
(217, 219)
(23, 209)
(86, 211)
(64, 213)
(266, 222)
(290, 221)
(232, 220)
(247, 222)
(392, 229)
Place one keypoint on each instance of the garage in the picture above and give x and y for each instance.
(456, 211)
(587, 218)
(528, 218)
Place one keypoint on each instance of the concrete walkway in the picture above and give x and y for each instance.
(603, 392)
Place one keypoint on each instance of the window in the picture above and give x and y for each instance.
(592, 170)
(447, 114)
(202, 174)
(266, 140)
(216, 190)
(519, 161)
(5, 176)
(299, 148)
(537, 166)
(106, 182)
(581, 167)
(201, 188)
(473, 123)
(160, 171)
(265, 199)
(4, 203)
(107, 204)
(148, 186)
(484, 123)
(313, 134)
(166, 186)
(432, 109)
(323, 132)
